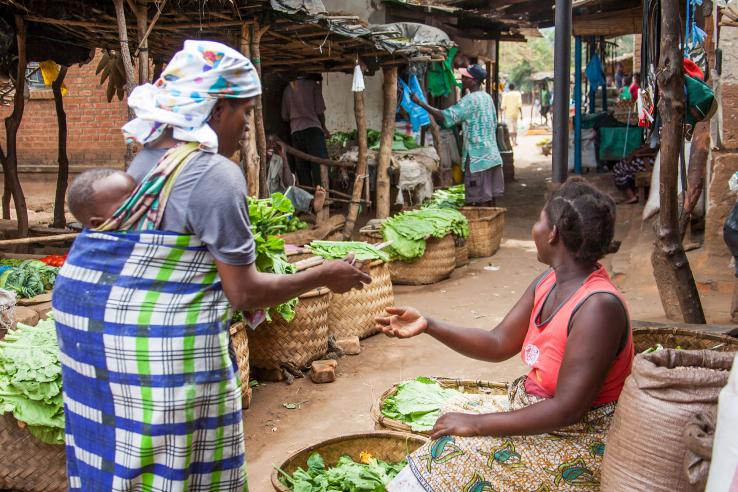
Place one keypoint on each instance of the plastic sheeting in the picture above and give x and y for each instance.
(306, 7)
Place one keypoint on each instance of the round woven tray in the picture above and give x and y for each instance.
(240, 342)
(644, 338)
(486, 225)
(463, 385)
(299, 342)
(391, 447)
(27, 464)
(352, 314)
(437, 264)
(462, 252)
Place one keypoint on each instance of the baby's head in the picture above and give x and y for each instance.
(96, 194)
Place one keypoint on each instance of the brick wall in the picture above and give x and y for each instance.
(94, 137)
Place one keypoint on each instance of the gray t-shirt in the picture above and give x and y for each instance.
(209, 201)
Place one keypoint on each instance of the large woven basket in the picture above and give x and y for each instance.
(462, 385)
(462, 252)
(299, 342)
(391, 447)
(644, 338)
(27, 464)
(352, 314)
(486, 225)
(437, 264)
(240, 343)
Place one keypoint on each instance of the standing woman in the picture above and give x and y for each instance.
(572, 330)
(143, 305)
(483, 178)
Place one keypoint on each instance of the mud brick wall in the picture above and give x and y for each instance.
(94, 136)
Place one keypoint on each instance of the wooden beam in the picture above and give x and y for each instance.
(40, 239)
(614, 23)
(125, 50)
(249, 152)
(143, 40)
(142, 52)
(361, 168)
(389, 108)
(60, 220)
(311, 158)
(257, 31)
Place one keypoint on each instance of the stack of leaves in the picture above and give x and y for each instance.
(30, 380)
(371, 475)
(452, 197)
(400, 142)
(29, 278)
(270, 217)
(409, 231)
(418, 403)
(337, 250)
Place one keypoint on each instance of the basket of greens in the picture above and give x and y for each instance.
(355, 462)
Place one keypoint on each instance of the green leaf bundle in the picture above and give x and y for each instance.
(453, 197)
(409, 231)
(29, 278)
(30, 380)
(337, 250)
(417, 402)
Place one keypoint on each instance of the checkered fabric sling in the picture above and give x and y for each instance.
(151, 392)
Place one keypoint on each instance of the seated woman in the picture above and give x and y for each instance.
(572, 330)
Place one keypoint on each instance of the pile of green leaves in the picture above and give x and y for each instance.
(400, 142)
(337, 250)
(347, 475)
(409, 230)
(417, 402)
(452, 197)
(29, 278)
(30, 380)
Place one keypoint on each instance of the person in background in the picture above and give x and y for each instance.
(512, 107)
(635, 86)
(483, 178)
(625, 170)
(545, 103)
(281, 180)
(572, 329)
(304, 108)
(619, 75)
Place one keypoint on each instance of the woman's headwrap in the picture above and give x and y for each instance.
(186, 92)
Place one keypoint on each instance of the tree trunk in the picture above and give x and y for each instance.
(125, 50)
(671, 267)
(7, 189)
(60, 220)
(385, 144)
(360, 178)
(696, 173)
(249, 154)
(261, 145)
(12, 123)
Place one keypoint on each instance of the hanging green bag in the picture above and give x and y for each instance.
(701, 103)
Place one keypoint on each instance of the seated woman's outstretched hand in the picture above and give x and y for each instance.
(402, 322)
(456, 424)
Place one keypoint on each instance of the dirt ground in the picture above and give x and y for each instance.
(478, 295)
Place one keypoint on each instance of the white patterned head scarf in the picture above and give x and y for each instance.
(186, 92)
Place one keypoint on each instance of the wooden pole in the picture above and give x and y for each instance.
(249, 153)
(125, 50)
(670, 264)
(361, 174)
(60, 221)
(261, 146)
(7, 189)
(389, 96)
(562, 64)
(311, 158)
(488, 65)
(12, 123)
(40, 240)
(698, 154)
(143, 43)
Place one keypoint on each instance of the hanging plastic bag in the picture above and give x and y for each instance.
(358, 83)
(50, 72)
(418, 116)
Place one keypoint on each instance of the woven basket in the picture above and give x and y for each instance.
(437, 264)
(391, 447)
(644, 338)
(352, 314)
(462, 252)
(299, 342)
(485, 230)
(462, 385)
(240, 342)
(27, 464)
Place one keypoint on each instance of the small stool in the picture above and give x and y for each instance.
(642, 183)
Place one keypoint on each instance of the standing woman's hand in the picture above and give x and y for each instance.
(402, 322)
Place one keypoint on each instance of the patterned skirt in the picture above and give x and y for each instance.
(566, 460)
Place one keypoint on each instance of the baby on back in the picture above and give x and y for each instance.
(95, 195)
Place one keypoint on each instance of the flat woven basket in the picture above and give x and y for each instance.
(486, 225)
(644, 338)
(462, 252)
(437, 264)
(240, 342)
(352, 314)
(391, 447)
(299, 342)
(462, 385)
(27, 464)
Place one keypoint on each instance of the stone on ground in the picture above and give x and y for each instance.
(26, 315)
(323, 371)
(350, 345)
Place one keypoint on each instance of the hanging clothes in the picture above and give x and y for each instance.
(441, 79)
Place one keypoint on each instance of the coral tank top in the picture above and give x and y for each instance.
(545, 343)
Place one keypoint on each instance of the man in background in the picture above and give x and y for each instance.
(304, 108)
(512, 107)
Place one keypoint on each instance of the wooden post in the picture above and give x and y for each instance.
(12, 123)
(143, 50)
(361, 174)
(488, 65)
(698, 154)
(389, 97)
(125, 50)
(60, 220)
(670, 264)
(7, 189)
(249, 153)
(261, 146)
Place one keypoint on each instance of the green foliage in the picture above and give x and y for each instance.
(29, 278)
(401, 142)
(336, 250)
(30, 380)
(347, 475)
(417, 402)
(409, 230)
(453, 197)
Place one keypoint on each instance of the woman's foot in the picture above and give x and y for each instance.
(631, 201)
(318, 199)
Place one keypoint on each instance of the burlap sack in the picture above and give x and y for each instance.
(698, 437)
(645, 448)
